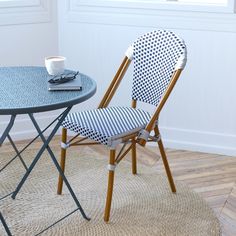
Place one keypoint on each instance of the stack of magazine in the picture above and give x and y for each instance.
(70, 85)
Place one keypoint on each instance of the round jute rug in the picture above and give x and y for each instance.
(142, 204)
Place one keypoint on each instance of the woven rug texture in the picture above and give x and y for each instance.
(142, 204)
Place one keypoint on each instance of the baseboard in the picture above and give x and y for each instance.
(185, 139)
(201, 141)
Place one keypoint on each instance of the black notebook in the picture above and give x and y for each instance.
(74, 84)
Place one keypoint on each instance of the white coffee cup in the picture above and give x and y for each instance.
(55, 65)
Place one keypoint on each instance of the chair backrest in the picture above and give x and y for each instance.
(157, 55)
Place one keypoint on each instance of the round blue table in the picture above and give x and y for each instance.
(24, 90)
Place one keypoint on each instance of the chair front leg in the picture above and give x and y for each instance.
(165, 161)
(111, 168)
(63, 160)
(134, 159)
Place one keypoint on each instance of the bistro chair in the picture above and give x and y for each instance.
(159, 58)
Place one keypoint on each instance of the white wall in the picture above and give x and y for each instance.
(27, 40)
(27, 35)
(200, 114)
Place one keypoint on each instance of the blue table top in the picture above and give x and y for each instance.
(25, 90)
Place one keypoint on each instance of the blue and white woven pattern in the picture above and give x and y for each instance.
(107, 124)
(156, 55)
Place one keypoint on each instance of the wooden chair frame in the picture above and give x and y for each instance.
(133, 139)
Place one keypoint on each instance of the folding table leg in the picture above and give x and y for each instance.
(5, 225)
(22, 150)
(7, 130)
(39, 154)
(2, 139)
(4, 135)
(17, 151)
(58, 166)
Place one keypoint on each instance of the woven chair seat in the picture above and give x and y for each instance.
(107, 124)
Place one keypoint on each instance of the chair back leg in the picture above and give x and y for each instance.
(110, 186)
(63, 160)
(165, 161)
(134, 159)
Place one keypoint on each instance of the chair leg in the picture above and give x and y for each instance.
(134, 159)
(165, 162)
(63, 160)
(110, 186)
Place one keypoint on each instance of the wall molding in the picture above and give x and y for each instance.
(25, 12)
(17, 3)
(200, 141)
(87, 12)
(160, 5)
(192, 140)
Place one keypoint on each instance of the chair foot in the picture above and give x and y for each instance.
(165, 161)
(167, 168)
(110, 187)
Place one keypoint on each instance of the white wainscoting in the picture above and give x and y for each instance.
(129, 13)
(200, 113)
(196, 140)
(25, 12)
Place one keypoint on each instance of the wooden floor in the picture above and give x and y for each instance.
(212, 176)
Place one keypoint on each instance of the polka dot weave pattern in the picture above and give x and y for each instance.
(155, 56)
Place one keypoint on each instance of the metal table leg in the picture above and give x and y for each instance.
(58, 166)
(5, 225)
(7, 130)
(23, 149)
(39, 154)
(7, 135)
(2, 139)
(17, 151)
